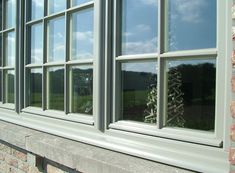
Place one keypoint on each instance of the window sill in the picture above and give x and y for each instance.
(177, 153)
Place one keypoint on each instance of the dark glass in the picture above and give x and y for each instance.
(1, 13)
(191, 94)
(82, 34)
(191, 24)
(35, 87)
(10, 7)
(139, 91)
(56, 34)
(36, 44)
(82, 89)
(139, 27)
(10, 49)
(56, 6)
(1, 48)
(56, 88)
(9, 86)
(0, 85)
(79, 2)
(36, 9)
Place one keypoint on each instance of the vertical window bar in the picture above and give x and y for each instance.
(66, 68)
(44, 73)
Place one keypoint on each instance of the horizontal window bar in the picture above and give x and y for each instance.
(54, 15)
(137, 57)
(7, 30)
(54, 64)
(200, 52)
(34, 21)
(33, 65)
(89, 61)
(8, 68)
(80, 7)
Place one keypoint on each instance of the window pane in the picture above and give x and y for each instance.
(139, 91)
(191, 94)
(79, 2)
(1, 10)
(139, 26)
(82, 89)
(35, 87)
(56, 36)
(0, 85)
(56, 88)
(56, 6)
(10, 13)
(36, 8)
(36, 44)
(82, 34)
(191, 24)
(1, 50)
(10, 49)
(9, 86)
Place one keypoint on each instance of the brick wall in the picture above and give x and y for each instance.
(16, 160)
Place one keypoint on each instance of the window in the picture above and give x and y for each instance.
(59, 57)
(7, 53)
(165, 66)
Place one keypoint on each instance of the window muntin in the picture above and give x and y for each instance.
(139, 27)
(191, 24)
(198, 53)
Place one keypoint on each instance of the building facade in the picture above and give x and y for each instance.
(117, 86)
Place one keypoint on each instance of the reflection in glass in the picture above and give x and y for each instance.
(1, 50)
(0, 85)
(82, 34)
(139, 26)
(82, 89)
(36, 7)
(139, 91)
(56, 6)
(1, 9)
(79, 2)
(56, 34)
(9, 86)
(10, 6)
(191, 24)
(10, 49)
(35, 87)
(36, 44)
(191, 94)
(56, 88)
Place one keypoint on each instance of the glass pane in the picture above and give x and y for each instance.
(139, 91)
(191, 24)
(82, 34)
(10, 49)
(1, 50)
(35, 47)
(1, 12)
(10, 13)
(139, 26)
(79, 2)
(82, 89)
(37, 9)
(56, 47)
(35, 87)
(56, 6)
(9, 86)
(191, 100)
(56, 88)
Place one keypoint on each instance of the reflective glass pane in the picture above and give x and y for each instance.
(191, 24)
(79, 2)
(56, 88)
(0, 85)
(37, 9)
(1, 10)
(1, 50)
(35, 47)
(56, 34)
(10, 49)
(82, 89)
(35, 87)
(9, 86)
(56, 6)
(139, 26)
(10, 7)
(82, 34)
(139, 91)
(191, 94)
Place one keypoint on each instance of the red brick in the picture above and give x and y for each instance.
(232, 156)
(232, 109)
(19, 155)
